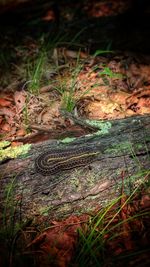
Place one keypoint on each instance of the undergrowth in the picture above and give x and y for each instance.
(109, 238)
(106, 240)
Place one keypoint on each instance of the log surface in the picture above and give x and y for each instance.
(124, 154)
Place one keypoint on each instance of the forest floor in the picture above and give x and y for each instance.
(83, 58)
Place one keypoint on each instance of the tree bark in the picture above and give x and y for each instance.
(123, 160)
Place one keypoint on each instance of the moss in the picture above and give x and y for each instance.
(7, 151)
(67, 140)
(101, 125)
(44, 210)
(124, 146)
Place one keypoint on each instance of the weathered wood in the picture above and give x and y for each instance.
(124, 154)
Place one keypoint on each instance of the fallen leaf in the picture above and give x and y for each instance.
(6, 127)
(21, 132)
(100, 109)
(7, 112)
(20, 99)
(58, 242)
(145, 201)
(119, 97)
(4, 102)
(15, 143)
(75, 54)
(50, 15)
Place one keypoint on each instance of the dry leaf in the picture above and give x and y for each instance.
(6, 127)
(4, 102)
(59, 241)
(50, 16)
(16, 143)
(20, 99)
(21, 132)
(7, 112)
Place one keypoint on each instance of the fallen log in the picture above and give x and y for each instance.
(121, 158)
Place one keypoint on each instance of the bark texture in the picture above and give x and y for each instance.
(123, 159)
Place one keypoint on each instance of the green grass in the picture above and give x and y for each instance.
(36, 66)
(109, 73)
(102, 52)
(35, 71)
(69, 93)
(11, 229)
(69, 99)
(91, 249)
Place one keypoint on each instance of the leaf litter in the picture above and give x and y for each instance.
(102, 90)
(126, 232)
